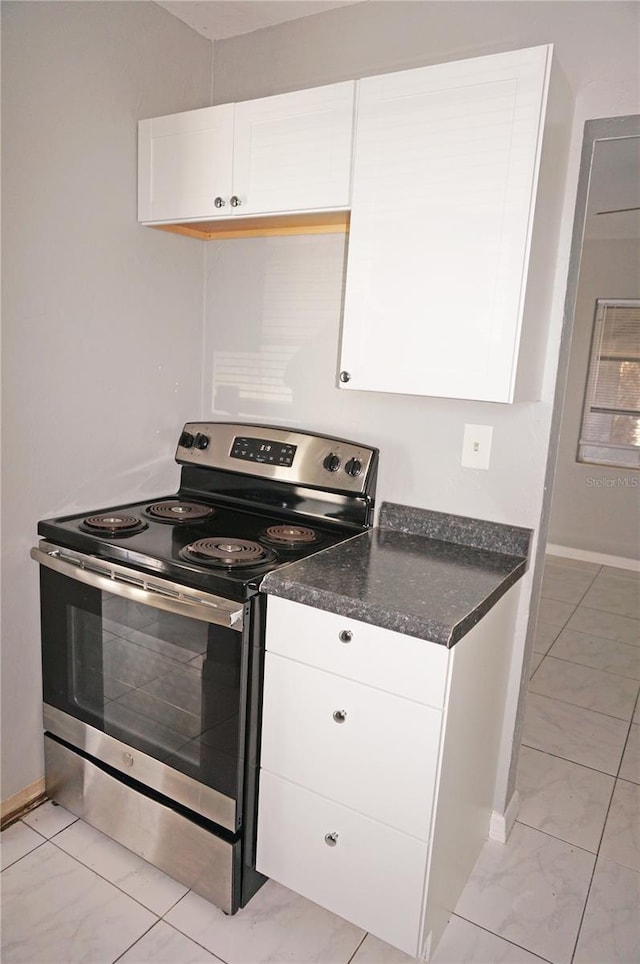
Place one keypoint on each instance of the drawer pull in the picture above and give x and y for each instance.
(345, 636)
(339, 715)
(331, 839)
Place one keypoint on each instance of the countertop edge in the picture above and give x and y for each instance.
(385, 617)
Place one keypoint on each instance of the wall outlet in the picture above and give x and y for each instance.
(476, 446)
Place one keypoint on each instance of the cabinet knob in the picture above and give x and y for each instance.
(331, 839)
(345, 377)
(339, 715)
(219, 202)
(235, 201)
(345, 635)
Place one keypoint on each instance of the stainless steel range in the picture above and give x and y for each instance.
(153, 642)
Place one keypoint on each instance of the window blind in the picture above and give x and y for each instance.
(610, 431)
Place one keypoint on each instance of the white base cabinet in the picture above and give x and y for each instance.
(378, 763)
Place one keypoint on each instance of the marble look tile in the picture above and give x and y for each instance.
(583, 686)
(610, 930)
(530, 891)
(573, 733)
(126, 870)
(461, 943)
(544, 637)
(54, 909)
(554, 613)
(536, 659)
(621, 840)
(612, 573)
(630, 767)
(566, 585)
(165, 945)
(49, 819)
(563, 562)
(605, 654)
(17, 841)
(276, 925)
(606, 625)
(374, 951)
(614, 594)
(465, 943)
(563, 799)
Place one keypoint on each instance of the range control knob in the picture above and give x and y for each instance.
(332, 462)
(186, 440)
(353, 467)
(201, 441)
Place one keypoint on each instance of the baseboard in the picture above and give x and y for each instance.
(501, 824)
(13, 807)
(599, 558)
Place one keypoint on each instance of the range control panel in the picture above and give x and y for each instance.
(265, 451)
(288, 455)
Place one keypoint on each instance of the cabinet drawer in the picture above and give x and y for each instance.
(373, 876)
(366, 749)
(378, 657)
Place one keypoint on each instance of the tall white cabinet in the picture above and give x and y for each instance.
(444, 184)
(378, 764)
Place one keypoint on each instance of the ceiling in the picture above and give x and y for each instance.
(220, 19)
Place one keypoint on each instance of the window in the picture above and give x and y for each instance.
(610, 433)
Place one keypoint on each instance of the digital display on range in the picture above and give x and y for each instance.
(263, 450)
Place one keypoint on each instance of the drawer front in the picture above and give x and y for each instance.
(363, 748)
(373, 876)
(400, 664)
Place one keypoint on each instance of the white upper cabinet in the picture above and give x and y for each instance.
(184, 164)
(292, 152)
(444, 184)
(283, 154)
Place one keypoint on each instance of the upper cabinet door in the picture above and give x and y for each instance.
(185, 165)
(292, 152)
(446, 166)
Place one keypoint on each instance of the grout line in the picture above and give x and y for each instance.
(37, 847)
(131, 946)
(587, 709)
(567, 760)
(357, 948)
(595, 669)
(500, 937)
(572, 843)
(107, 880)
(569, 843)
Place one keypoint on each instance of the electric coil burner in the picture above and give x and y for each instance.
(153, 628)
(289, 536)
(113, 525)
(226, 551)
(178, 512)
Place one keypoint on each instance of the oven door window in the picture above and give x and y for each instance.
(167, 684)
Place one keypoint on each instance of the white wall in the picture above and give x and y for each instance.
(273, 305)
(595, 508)
(102, 318)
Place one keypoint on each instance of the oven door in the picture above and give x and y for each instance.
(148, 677)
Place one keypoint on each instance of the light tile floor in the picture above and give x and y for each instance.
(565, 888)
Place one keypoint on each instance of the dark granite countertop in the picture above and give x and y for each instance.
(425, 574)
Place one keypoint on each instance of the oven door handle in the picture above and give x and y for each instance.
(134, 585)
